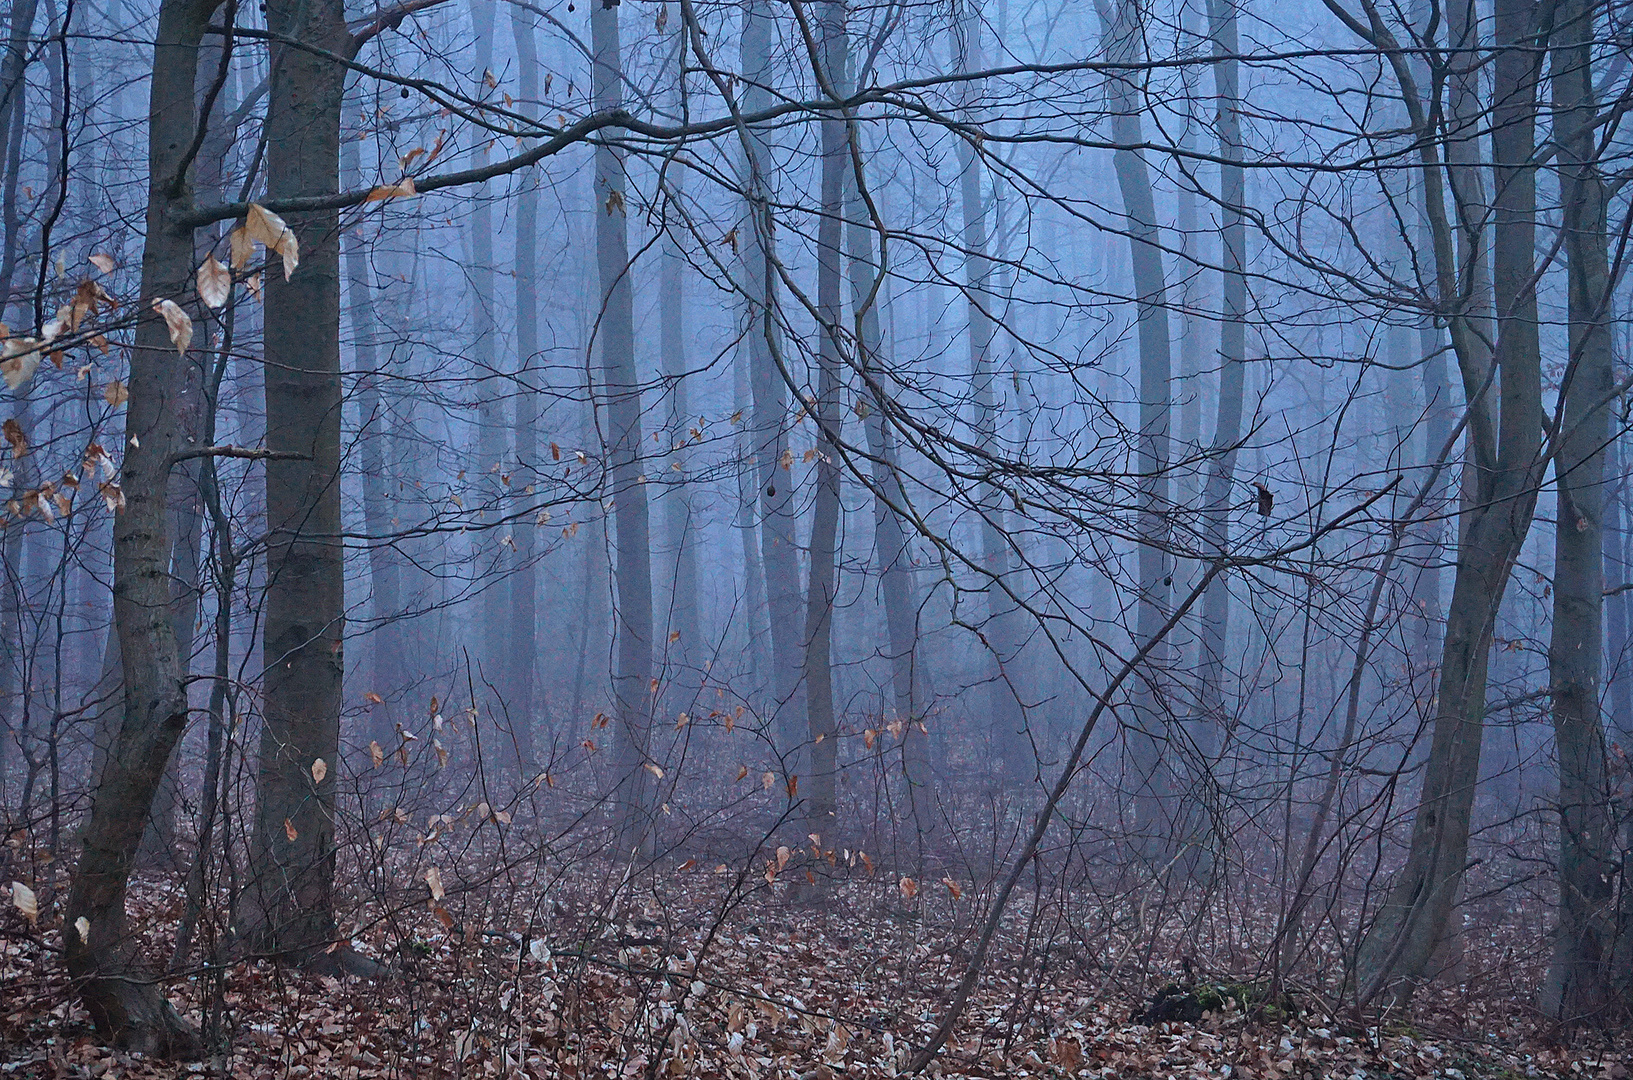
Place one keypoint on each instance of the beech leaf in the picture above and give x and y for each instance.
(177, 322)
(320, 769)
(115, 393)
(214, 282)
(103, 262)
(289, 830)
(433, 878)
(264, 227)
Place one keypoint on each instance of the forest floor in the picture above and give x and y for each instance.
(715, 972)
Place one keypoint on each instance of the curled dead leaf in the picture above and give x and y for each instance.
(433, 878)
(264, 227)
(177, 322)
(24, 900)
(115, 393)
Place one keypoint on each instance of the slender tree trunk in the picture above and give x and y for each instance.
(890, 500)
(522, 632)
(494, 560)
(1580, 983)
(291, 902)
(823, 581)
(1227, 432)
(386, 668)
(1010, 739)
(631, 527)
(779, 540)
(126, 1007)
(1122, 30)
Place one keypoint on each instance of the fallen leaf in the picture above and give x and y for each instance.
(23, 899)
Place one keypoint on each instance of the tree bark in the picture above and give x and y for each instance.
(523, 628)
(1580, 985)
(290, 907)
(1152, 784)
(823, 580)
(1502, 469)
(1008, 733)
(631, 525)
(127, 1008)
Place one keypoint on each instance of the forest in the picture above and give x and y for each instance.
(816, 538)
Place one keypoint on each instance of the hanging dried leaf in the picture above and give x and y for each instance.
(909, 888)
(742, 771)
(289, 830)
(177, 322)
(320, 769)
(113, 495)
(103, 262)
(767, 781)
(240, 248)
(264, 227)
(14, 434)
(23, 899)
(115, 393)
(433, 878)
(953, 887)
(83, 926)
(402, 189)
(214, 282)
(654, 770)
(374, 699)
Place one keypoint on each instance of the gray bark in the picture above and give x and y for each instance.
(291, 902)
(631, 526)
(1581, 983)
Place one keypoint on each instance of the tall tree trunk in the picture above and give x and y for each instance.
(823, 581)
(1580, 984)
(1227, 432)
(889, 502)
(1122, 36)
(126, 1007)
(522, 632)
(631, 527)
(492, 639)
(386, 667)
(1008, 732)
(291, 901)
(1502, 469)
(779, 540)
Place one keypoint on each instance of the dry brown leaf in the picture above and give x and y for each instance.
(15, 435)
(21, 360)
(115, 393)
(177, 322)
(214, 282)
(376, 754)
(320, 769)
(113, 495)
(264, 227)
(103, 262)
(909, 888)
(402, 189)
(433, 878)
(24, 900)
(289, 830)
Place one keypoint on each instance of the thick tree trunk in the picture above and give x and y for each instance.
(1580, 986)
(522, 632)
(126, 1007)
(1151, 778)
(291, 901)
(631, 526)
(1501, 474)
